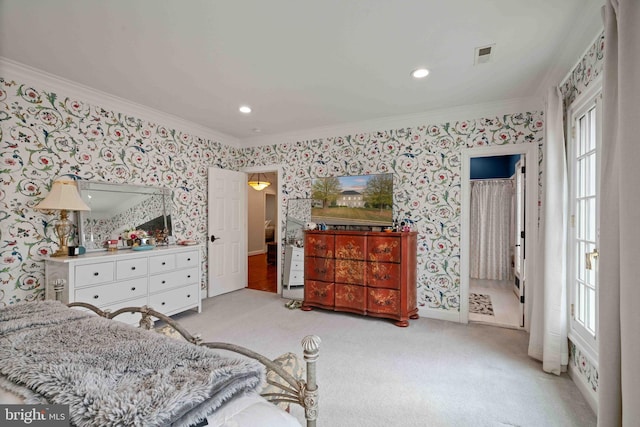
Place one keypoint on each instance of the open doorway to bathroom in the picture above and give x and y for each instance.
(495, 237)
(497, 244)
(262, 224)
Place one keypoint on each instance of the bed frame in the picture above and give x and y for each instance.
(298, 391)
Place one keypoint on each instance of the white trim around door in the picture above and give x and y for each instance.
(531, 221)
(278, 169)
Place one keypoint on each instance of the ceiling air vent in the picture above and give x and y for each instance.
(484, 54)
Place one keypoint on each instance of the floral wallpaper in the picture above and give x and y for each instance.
(426, 165)
(44, 135)
(589, 67)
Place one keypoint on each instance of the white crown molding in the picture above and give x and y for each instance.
(464, 112)
(10, 69)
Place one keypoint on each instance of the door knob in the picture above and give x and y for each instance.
(214, 238)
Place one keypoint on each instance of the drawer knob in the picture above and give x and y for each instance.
(164, 281)
(188, 295)
(188, 276)
(163, 302)
(133, 268)
(96, 273)
(133, 288)
(96, 296)
(188, 259)
(164, 263)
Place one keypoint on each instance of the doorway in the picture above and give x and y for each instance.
(497, 215)
(263, 215)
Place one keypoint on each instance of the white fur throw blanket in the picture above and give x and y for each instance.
(112, 374)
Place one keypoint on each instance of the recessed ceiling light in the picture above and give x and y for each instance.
(256, 130)
(420, 73)
(245, 109)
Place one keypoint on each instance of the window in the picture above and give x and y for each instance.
(583, 233)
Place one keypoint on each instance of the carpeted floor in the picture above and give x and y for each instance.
(371, 373)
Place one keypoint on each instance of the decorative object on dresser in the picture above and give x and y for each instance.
(370, 273)
(164, 278)
(63, 197)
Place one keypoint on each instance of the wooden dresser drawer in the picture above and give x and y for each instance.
(128, 268)
(319, 269)
(161, 263)
(350, 247)
(103, 295)
(319, 245)
(385, 301)
(383, 275)
(186, 259)
(351, 298)
(321, 293)
(349, 271)
(383, 249)
(94, 274)
(172, 279)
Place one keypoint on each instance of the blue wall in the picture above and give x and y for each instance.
(493, 167)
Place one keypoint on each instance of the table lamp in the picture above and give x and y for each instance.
(63, 197)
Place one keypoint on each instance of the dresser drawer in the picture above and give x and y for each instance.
(319, 245)
(296, 278)
(103, 295)
(383, 275)
(348, 271)
(187, 259)
(297, 254)
(175, 299)
(94, 274)
(129, 318)
(351, 298)
(319, 269)
(384, 249)
(160, 263)
(172, 279)
(319, 293)
(297, 265)
(383, 301)
(128, 268)
(350, 247)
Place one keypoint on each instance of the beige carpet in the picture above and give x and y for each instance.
(372, 373)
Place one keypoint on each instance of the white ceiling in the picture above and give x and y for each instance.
(300, 64)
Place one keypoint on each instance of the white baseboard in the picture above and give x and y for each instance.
(432, 313)
(258, 252)
(590, 396)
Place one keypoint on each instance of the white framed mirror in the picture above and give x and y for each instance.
(117, 208)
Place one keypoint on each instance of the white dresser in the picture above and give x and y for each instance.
(293, 266)
(166, 279)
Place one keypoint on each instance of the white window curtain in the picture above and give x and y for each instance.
(548, 296)
(491, 238)
(619, 295)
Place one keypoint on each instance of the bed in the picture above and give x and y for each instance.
(57, 354)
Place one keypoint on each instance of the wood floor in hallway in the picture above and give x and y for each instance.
(262, 276)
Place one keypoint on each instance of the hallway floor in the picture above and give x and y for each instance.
(506, 307)
(262, 276)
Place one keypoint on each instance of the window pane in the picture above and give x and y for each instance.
(591, 314)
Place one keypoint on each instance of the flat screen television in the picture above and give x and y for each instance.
(353, 202)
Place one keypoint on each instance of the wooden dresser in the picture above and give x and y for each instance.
(166, 279)
(370, 273)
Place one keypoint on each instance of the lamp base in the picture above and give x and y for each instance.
(62, 251)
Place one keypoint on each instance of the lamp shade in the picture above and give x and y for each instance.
(63, 196)
(258, 184)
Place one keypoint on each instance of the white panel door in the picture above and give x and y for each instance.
(520, 220)
(227, 245)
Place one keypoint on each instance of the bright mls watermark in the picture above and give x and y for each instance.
(34, 415)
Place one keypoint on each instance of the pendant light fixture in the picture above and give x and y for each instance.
(258, 184)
